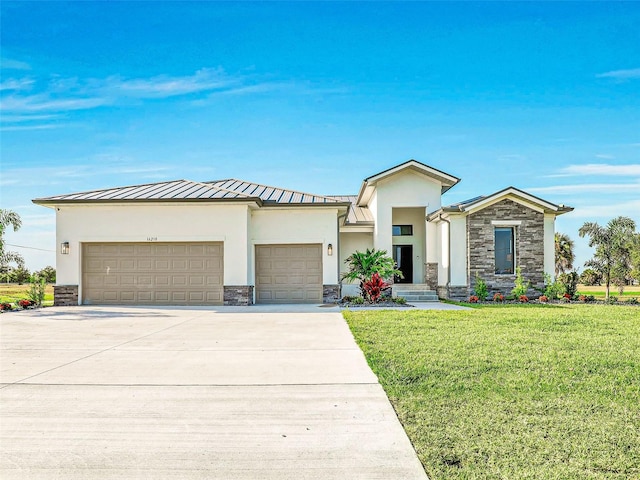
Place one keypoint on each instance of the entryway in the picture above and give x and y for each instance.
(403, 256)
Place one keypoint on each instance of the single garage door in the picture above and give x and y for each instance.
(152, 273)
(289, 273)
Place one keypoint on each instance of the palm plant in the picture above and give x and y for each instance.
(564, 253)
(362, 266)
(9, 218)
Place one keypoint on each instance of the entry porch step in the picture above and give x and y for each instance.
(414, 292)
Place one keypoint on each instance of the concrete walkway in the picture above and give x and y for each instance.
(182, 393)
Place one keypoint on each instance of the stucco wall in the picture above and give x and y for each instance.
(297, 225)
(153, 222)
(529, 244)
(349, 243)
(458, 241)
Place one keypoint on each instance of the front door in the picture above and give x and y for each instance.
(403, 256)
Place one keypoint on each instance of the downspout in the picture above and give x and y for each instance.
(448, 250)
(338, 251)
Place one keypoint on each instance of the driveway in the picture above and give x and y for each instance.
(184, 393)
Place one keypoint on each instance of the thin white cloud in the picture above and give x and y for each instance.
(629, 208)
(599, 169)
(17, 84)
(628, 74)
(43, 103)
(612, 188)
(605, 156)
(29, 118)
(11, 64)
(41, 126)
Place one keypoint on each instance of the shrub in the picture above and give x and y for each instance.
(373, 288)
(473, 299)
(5, 306)
(498, 297)
(612, 299)
(357, 300)
(552, 288)
(482, 292)
(633, 301)
(36, 290)
(570, 283)
(24, 303)
(543, 298)
(521, 286)
(523, 299)
(582, 298)
(400, 300)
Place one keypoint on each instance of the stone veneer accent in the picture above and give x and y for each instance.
(330, 293)
(238, 295)
(456, 292)
(529, 245)
(431, 275)
(65, 295)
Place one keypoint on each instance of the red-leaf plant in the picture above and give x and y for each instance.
(373, 288)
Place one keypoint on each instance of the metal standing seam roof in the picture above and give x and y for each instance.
(356, 214)
(272, 194)
(189, 190)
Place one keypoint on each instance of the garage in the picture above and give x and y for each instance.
(289, 273)
(152, 273)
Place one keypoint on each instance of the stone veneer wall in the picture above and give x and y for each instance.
(431, 275)
(457, 292)
(529, 245)
(238, 295)
(330, 293)
(65, 295)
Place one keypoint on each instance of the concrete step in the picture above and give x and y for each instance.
(411, 286)
(420, 298)
(404, 292)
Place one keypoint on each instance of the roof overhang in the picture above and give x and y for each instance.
(368, 185)
(509, 193)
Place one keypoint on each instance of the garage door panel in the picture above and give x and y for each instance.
(153, 273)
(289, 273)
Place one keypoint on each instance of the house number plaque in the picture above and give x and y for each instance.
(152, 239)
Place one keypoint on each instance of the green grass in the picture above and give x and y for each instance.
(599, 291)
(513, 392)
(11, 293)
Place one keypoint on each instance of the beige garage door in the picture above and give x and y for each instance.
(289, 273)
(152, 273)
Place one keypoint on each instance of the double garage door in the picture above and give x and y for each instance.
(152, 273)
(192, 273)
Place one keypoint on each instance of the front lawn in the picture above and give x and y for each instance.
(513, 392)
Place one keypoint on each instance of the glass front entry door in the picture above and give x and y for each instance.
(403, 256)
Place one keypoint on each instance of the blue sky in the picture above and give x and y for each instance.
(317, 96)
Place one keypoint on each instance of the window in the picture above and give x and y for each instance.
(504, 237)
(402, 230)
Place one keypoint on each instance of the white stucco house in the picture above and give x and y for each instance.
(233, 242)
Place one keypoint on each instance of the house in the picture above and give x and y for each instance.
(233, 242)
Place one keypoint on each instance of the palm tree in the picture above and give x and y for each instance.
(611, 258)
(362, 266)
(564, 253)
(9, 218)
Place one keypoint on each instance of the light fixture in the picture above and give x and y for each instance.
(64, 248)
(330, 250)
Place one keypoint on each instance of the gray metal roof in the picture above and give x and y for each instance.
(187, 190)
(356, 214)
(271, 194)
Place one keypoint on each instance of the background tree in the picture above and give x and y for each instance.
(590, 277)
(635, 257)
(48, 273)
(20, 275)
(611, 258)
(9, 218)
(564, 253)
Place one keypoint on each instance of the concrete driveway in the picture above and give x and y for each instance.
(179, 393)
